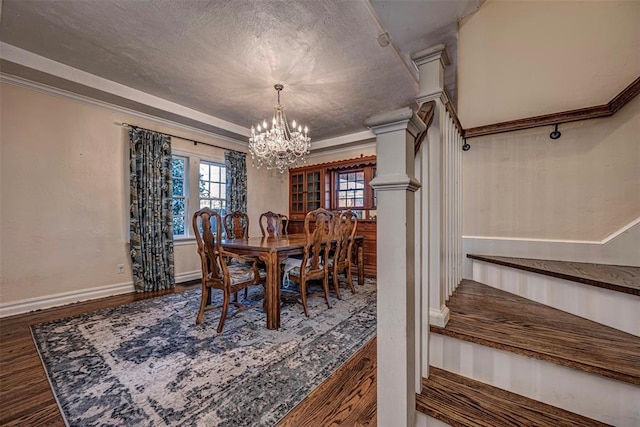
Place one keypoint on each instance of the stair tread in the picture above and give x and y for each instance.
(499, 319)
(461, 401)
(618, 278)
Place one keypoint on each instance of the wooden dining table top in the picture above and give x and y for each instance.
(289, 241)
(267, 243)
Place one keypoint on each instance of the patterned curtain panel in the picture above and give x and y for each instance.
(236, 163)
(150, 224)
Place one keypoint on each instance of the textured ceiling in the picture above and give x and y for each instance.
(222, 58)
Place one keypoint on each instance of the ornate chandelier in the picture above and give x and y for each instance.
(278, 147)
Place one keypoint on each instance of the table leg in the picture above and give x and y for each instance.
(360, 252)
(272, 290)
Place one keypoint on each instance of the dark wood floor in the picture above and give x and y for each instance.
(618, 278)
(461, 401)
(499, 319)
(348, 397)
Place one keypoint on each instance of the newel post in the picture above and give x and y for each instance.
(396, 185)
(431, 63)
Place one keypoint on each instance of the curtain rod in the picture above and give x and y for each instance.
(127, 125)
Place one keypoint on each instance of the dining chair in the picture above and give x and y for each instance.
(340, 261)
(319, 230)
(217, 272)
(271, 224)
(236, 225)
(285, 224)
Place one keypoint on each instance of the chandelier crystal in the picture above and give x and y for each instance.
(278, 147)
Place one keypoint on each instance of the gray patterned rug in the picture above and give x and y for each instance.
(147, 363)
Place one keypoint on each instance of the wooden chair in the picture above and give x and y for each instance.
(341, 260)
(285, 224)
(217, 273)
(319, 228)
(271, 224)
(236, 225)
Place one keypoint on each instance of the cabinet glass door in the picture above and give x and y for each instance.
(313, 190)
(297, 192)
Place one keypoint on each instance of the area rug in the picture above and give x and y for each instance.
(147, 363)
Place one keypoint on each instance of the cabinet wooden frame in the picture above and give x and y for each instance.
(325, 175)
(328, 173)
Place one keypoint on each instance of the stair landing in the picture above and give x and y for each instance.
(615, 277)
(499, 319)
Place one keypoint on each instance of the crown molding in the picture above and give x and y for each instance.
(25, 62)
(50, 90)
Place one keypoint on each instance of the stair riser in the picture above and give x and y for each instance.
(602, 399)
(615, 309)
(423, 420)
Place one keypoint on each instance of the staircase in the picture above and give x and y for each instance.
(537, 343)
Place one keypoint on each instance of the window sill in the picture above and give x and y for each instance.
(184, 241)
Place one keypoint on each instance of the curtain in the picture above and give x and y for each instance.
(150, 211)
(236, 164)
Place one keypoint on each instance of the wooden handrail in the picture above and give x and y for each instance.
(598, 111)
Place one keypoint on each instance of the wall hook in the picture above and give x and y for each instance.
(466, 146)
(555, 134)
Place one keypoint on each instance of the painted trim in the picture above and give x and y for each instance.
(49, 301)
(64, 298)
(440, 317)
(604, 241)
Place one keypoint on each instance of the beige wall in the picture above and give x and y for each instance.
(64, 192)
(583, 186)
(518, 59)
(524, 58)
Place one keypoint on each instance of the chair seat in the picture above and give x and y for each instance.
(239, 273)
(291, 266)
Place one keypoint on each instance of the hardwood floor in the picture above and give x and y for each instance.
(499, 319)
(620, 278)
(461, 401)
(348, 397)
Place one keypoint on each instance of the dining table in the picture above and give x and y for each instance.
(272, 251)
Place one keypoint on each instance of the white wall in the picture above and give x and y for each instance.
(64, 191)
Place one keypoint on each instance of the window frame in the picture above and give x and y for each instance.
(369, 206)
(222, 195)
(193, 182)
(337, 189)
(184, 196)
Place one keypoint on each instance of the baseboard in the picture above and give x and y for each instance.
(64, 298)
(49, 301)
(439, 317)
(189, 275)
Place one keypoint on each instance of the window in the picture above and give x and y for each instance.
(350, 190)
(213, 187)
(211, 179)
(179, 202)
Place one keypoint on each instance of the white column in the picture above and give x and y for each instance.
(431, 63)
(395, 183)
